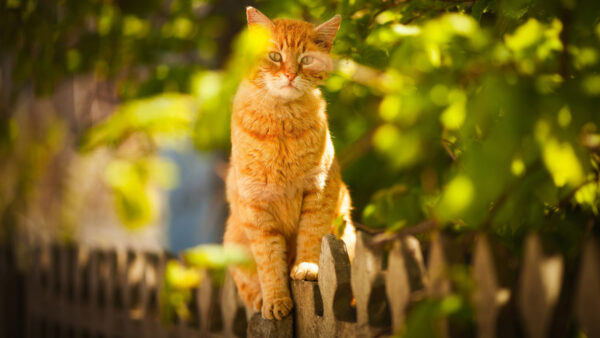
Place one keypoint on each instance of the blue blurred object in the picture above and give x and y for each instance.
(197, 207)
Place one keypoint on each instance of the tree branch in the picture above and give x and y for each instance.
(386, 237)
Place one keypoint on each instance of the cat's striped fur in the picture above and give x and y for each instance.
(284, 186)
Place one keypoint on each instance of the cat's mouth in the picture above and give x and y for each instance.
(289, 85)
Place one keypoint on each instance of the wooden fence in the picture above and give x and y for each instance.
(74, 292)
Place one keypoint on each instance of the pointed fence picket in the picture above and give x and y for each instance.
(74, 291)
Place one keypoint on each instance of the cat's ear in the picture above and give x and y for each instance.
(255, 17)
(325, 32)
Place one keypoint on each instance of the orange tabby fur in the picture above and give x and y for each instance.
(284, 186)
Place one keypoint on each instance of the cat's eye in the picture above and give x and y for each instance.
(275, 56)
(306, 60)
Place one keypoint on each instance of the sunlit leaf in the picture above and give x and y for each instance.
(403, 149)
(394, 208)
(181, 277)
(161, 117)
(389, 107)
(457, 197)
(217, 256)
(135, 27)
(517, 166)
(454, 116)
(339, 226)
(562, 163)
(564, 117)
(588, 195)
(134, 186)
(176, 292)
(591, 85)
(73, 60)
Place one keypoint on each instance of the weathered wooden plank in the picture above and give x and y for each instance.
(258, 327)
(587, 303)
(308, 311)
(233, 310)
(57, 314)
(81, 295)
(94, 286)
(405, 278)
(46, 312)
(111, 286)
(69, 316)
(438, 283)
(118, 294)
(134, 279)
(71, 251)
(208, 304)
(445, 253)
(339, 317)
(131, 288)
(488, 295)
(368, 286)
(31, 284)
(153, 277)
(414, 263)
(55, 270)
(36, 299)
(539, 287)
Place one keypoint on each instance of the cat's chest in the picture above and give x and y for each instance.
(278, 161)
(284, 143)
(281, 158)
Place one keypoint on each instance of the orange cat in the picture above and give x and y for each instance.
(284, 186)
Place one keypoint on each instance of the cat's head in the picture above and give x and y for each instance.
(298, 56)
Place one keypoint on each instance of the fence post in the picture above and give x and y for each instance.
(153, 279)
(438, 283)
(368, 286)
(81, 291)
(209, 306)
(63, 317)
(133, 288)
(92, 282)
(70, 271)
(587, 303)
(13, 295)
(335, 288)
(540, 284)
(233, 310)
(445, 253)
(405, 278)
(258, 327)
(53, 311)
(35, 300)
(308, 318)
(488, 295)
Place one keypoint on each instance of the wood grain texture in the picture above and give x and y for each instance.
(79, 292)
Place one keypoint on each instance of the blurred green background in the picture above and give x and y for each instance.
(474, 116)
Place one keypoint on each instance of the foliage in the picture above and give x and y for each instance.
(180, 279)
(478, 115)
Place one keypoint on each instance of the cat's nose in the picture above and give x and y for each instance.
(290, 76)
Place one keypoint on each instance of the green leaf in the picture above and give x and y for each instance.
(482, 6)
(394, 207)
(217, 257)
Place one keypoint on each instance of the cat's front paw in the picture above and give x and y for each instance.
(305, 271)
(276, 308)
